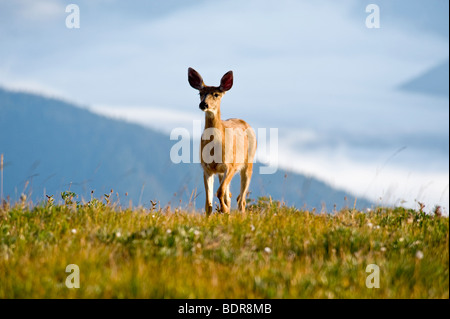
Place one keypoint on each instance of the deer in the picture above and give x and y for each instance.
(226, 147)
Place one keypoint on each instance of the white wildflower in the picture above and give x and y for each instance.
(419, 254)
(268, 250)
(252, 227)
(169, 231)
(74, 231)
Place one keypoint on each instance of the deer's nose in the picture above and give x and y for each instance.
(203, 105)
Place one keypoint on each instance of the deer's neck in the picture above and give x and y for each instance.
(213, 120)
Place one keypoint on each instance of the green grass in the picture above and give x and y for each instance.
(271, 252)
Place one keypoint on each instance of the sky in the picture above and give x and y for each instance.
(311, 69)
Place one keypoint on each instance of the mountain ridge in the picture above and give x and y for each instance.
(51, 146)
(434, 81)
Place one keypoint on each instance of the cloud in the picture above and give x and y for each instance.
(310, 68)
(289, 50)
(31, 10)
(382, 176)
(32, 86)
(158, 118)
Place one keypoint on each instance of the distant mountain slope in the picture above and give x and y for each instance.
(434, 81)
(51, 146)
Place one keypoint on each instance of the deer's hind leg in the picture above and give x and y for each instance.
(227, 194)
(223, 193)
(246, 176)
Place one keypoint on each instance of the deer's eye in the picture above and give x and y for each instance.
(216, 94)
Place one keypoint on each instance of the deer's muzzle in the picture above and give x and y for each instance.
(203, 105)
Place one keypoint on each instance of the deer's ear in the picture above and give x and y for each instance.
(227, 81)
(195, 79)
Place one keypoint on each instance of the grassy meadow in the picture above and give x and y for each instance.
(273, 251)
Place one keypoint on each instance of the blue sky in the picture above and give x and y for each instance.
(312, 69)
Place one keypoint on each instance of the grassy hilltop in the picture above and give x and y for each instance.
(271, 252)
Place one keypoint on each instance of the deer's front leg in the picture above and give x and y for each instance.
(223, 191)
(209, 185)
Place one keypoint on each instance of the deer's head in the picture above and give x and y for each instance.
(210, 96)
